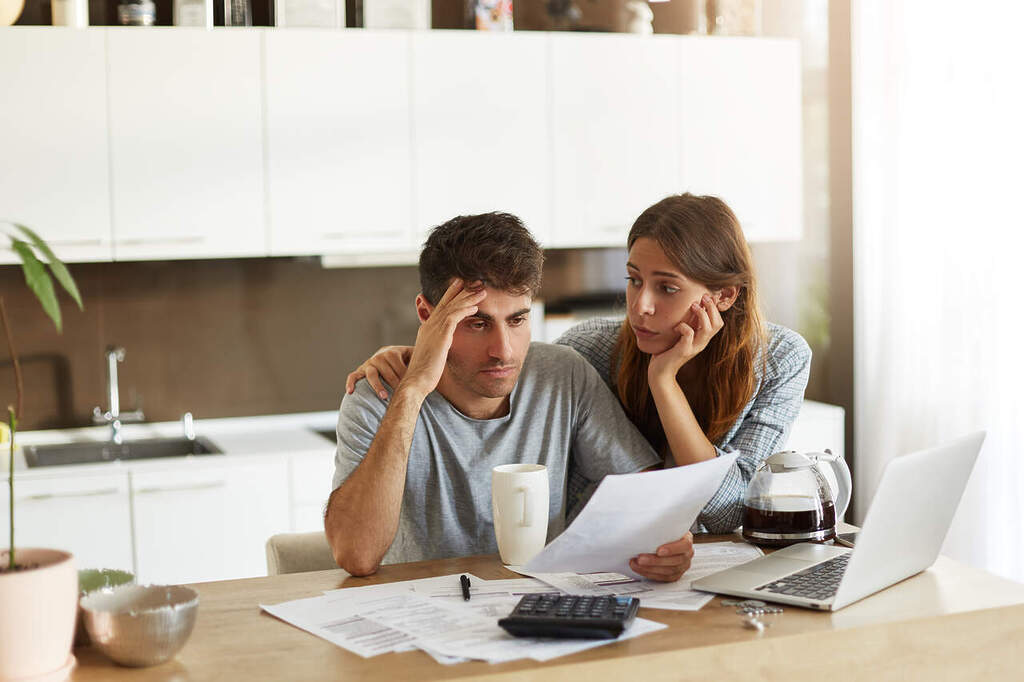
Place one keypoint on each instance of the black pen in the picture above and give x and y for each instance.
(465, 587)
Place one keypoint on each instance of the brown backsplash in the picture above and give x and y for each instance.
(218, 338)
(224, 338)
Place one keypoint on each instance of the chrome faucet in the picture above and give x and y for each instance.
(113, 415)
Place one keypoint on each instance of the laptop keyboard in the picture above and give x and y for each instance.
(817, 582)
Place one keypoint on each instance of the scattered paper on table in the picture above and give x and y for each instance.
(331, 621)
(631, 514)
(708, 558)
(586, 584)
(431, 615)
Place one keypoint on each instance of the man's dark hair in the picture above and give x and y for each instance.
(493, 247)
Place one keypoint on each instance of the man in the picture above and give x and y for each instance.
(412, 473)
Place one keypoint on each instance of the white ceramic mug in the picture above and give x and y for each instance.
(519, 498)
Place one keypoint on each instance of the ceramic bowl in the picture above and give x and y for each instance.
(140, 625)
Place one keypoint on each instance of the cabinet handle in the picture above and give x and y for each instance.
(375, 234)
(165, 240)
(84, 493)
(180, 488)
(76, 242)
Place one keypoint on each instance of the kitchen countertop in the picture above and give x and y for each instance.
(280, 434)
(237, 437)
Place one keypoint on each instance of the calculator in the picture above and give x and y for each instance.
(570, 616)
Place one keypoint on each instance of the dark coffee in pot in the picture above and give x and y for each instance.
(764, 523)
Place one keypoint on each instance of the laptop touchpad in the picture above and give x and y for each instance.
(774, 566)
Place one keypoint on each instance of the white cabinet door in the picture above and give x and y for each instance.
(615, 133)
(312, 474)
(480, 127)
(186, 143)
(741, 130)
(88, 516)
(53, 139)
(338, 141)
(201, 522)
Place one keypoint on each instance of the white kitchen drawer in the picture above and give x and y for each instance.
(89, 516)
(311, 478)
(211, 523)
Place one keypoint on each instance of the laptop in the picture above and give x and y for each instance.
(901, 536)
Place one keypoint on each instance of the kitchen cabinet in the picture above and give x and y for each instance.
(740, 128)
(174, 143)
(186, 143)
(311, 476)
(615, 133)
(54, 173)
(208, 521)
(339, 162)
(480, 128)
(89, 516)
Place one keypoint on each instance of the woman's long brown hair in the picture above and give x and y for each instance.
(703, 238)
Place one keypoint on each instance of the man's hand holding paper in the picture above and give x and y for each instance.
(668, 563)
(631, 513)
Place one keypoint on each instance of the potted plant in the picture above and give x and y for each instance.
(38, 587)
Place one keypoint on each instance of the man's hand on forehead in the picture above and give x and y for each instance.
(469, 285)
(435, 334)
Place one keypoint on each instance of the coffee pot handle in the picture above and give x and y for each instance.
(845, 481)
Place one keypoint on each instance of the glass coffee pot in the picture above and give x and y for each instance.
(790, 499)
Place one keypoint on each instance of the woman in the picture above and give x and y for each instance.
(693, 364)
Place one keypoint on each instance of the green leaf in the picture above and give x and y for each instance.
(38, 280)
(56, 266)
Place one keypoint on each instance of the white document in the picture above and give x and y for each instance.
(445, 629)
(431, 614)
(708, 558)
(441, 583)
(338, 621)
(339, 625)
(596, 584)
(631, 514)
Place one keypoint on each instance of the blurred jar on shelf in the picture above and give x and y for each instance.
(73, 13)
(136, 12)
(193, 13)
(734, 17)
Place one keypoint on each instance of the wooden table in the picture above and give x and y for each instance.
(950, 622)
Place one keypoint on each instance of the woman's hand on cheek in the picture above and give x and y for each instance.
(704, 322)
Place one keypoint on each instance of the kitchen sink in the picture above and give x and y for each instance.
(105, 451)
(331, 435)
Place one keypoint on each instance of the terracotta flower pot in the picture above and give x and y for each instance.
(37, 620)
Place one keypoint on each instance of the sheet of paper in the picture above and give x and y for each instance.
(639, 626)
(344, 627)
(446, 629)
(431, 614)
(440, 583)
(590, 583)
(708, 558)
(338, 621)
(632, 514)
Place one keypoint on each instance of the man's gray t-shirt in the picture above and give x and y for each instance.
(559, 409)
